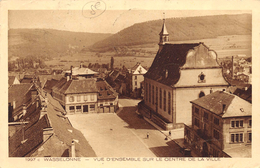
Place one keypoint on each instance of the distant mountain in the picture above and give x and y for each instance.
(189, 28)
(49, 42)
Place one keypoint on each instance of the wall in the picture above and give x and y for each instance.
(228, 130)
(152, 105)
(81, 102)
(139, 79)
(183, 98)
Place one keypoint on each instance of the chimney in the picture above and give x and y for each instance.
(246, 88)
(37, 102)
(81, 65)
(223, 108)
(73, 150)
(68, 78)
(14, 105)
(24, 109)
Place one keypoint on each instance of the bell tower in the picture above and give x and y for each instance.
(164, 35)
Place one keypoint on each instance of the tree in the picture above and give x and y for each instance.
(112, 63)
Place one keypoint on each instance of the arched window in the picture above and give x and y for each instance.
(201, 94)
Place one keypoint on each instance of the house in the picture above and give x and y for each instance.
(179, 73)
(87, 95)
(80, 72)
(136, 76)
(45, 132)
(17, 102)
(221, 126)
(12, 80)
(49, 84)
(118, 81)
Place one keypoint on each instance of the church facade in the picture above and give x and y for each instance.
(179, 74)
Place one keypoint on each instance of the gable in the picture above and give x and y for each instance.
(139, 70)
(201, 57)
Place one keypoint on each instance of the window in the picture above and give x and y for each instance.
(85, 98)
(164, 100)
(111, 104)
(201, 78)
(146, 91)
(152, 94)
(78, 98)
(135, 77)
(78, 108)
(149, 93)
(196, 110)
(92, 107)
(201, 94)
(71, 98)
(169, 103)
(250, 137)
(92, 97)
(237, 124)
(250, 123)
(216, 134)
(237, 138)
(197, 122)
(216, 121)
(206, 115)
(156, 99)
(160, 98)
(101, 105)
(135, 83)
(71, 108)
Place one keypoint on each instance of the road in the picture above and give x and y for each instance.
(123, 134)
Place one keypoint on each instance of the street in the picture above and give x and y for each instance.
(124, 134)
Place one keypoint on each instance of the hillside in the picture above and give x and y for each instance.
(189, 28)
(49, 42)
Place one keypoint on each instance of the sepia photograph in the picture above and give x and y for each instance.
(105, 84)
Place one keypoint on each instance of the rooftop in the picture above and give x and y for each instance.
(234, 106)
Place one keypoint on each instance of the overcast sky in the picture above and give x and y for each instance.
(110, 21)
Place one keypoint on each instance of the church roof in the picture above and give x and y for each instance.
(164, 30)
(234, 105)
(171, 57)
(174, 57)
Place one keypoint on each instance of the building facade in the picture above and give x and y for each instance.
(136, 76)
(179, 73)
(87, 95)
(221, 126)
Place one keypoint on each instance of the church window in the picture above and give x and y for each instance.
(146, 91)
(164, 100)
(201, 94)
(152, 94)
(169, 103)
(149, 93)
(201, 78)
(156, 98)
(160, 98)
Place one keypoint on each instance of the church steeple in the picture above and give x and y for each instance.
(164, 35)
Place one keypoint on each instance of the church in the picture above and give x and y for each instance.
(179, 74)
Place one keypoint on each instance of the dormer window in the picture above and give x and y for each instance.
(201, 78)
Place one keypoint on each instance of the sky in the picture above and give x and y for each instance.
(97, 20)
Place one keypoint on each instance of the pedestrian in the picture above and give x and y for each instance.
(170, 133)
(147, 135)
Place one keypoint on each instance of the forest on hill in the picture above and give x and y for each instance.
(188, 28)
